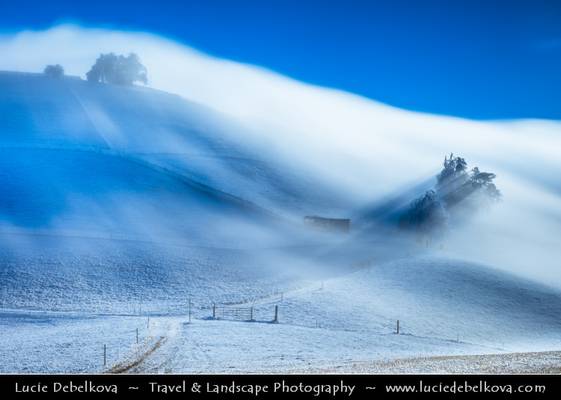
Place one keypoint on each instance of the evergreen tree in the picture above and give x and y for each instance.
(118, 70)
(54, 71)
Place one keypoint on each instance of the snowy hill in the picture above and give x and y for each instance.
(123, 203)
(292, 136)
(46, 186)
(445, 307)
(436, 297)
(152, 126)
(98, 180)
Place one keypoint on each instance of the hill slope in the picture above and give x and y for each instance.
(154, 126)
(98, 179)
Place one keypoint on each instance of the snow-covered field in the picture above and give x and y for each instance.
(546, 362)
(335, 324)
(105, 276)
(331, 323)
(33, 342)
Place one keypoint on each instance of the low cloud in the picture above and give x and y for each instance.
(365, 148)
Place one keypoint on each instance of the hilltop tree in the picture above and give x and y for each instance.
(456, 185)
(456, 195)
(54, 71)
(426, 214)
(454, 171)
(118, 70)
(484, 181)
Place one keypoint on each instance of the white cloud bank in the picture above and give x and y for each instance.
(367, 147)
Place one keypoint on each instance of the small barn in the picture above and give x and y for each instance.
(341, 225)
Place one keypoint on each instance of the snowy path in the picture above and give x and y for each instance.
(202, 346)
(244, 347)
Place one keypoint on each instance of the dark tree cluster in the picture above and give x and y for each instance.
(456, 185)
(109, 68)
(54, 71)
(118, 70)
(458, 192)
(426, 214)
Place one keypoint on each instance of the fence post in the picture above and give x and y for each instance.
(276, 320)
(213, 311)
(136, 335)
(189, 309)
(251, 314)
(148, 323)
(397, 328)
(104, 355)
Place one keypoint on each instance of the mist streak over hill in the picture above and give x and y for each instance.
(349, 145)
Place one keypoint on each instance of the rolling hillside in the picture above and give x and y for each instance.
(122, 203)
(109, 192)
(158, 128)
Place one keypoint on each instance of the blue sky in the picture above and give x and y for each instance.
(477, 59)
